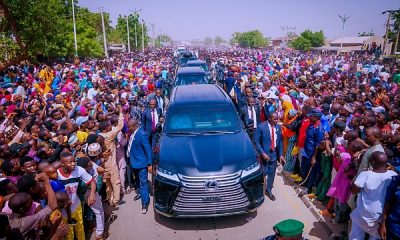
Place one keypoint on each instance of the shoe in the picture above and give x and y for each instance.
(112, 217)
(270, 196)
(145, 208)
(72, 221)
(121, 202)
(137, 197)
(325, 212)
(294, 175)
(312, 196)
(298, 180)
(127, 190)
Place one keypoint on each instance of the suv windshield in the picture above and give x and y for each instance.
(199, 119)
(203, 66)
(188, 79)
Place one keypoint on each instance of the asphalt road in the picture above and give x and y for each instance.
(131, 224)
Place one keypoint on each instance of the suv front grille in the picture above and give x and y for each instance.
(194, 198)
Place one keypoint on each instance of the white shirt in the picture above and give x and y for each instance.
(160, 103)
(270, 133)
(371, 198)
(154, 112)
(128, 150)
(252, 109)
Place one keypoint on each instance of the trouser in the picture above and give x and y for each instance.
(305, 164)
(98, 211)
(113, 186)
(122, 171)
(269, 172)
(341, 212)
(141, 177)
(314, 176)
(76, 231)
(357, 233)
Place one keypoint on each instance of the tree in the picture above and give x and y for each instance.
(308, 39)
(235, 38)
(394, 31)
(366, 34)
(133, 21)
(161, 39)
(208, 41)
(33, 28)
(218, 41)
(250, 39)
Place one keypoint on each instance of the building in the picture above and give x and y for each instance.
(282, 42)
(351, 44)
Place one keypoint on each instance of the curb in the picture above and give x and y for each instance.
(311, 207)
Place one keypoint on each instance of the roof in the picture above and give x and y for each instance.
(196, 62)
(350, 40)
(190, 70)
(200, 93)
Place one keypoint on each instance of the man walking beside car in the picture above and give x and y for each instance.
(139, 152)
(268, 141)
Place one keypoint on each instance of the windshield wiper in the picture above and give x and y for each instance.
(217, 132)
(183, 133)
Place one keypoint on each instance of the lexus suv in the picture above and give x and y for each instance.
(190, 75)
(207, 164)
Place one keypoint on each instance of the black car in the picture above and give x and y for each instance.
(207, 164)
(203, 65)
(184, 57)
(190, 75)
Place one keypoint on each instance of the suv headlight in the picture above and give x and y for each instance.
(167, 174)
(250, 169)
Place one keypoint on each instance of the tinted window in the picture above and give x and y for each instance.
(189, 79)
(201, 118)
(203, 66)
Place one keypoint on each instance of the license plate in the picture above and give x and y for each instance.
(211, 199)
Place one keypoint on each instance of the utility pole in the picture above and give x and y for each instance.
(344, 19)
(104, 33)
(154, 40)
(142, 36)
(290, 31)
(74, 23)
(127, 30)
(283, 34)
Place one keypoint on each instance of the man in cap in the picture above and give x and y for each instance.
(313, 138)
(289, 229)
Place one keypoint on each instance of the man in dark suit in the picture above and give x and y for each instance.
(269, 143)
(139, 152)
(150, 117)
(157, 95)
(250, 111)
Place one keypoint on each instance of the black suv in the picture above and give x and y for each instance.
(207, 164)
(190, 75)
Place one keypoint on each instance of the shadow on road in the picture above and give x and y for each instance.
(205, 223)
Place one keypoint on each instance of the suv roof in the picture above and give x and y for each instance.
(200, 93)
(196, 62)
(190, 70)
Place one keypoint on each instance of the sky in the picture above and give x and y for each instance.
(197, 19)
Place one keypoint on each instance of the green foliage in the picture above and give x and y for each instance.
(161, 39)
(366, 34)
(218, 41)
(308, 39)
(133, 20)
(208, 41)
(250, 39)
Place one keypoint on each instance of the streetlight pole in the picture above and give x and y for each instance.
(127, 29)
(344, 20)
(104, 33)
(142, 35)
(74, 23)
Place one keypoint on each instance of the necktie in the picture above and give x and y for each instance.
(153, 121)
(272, 137)
(251, 113)
(159, 102)
(128, 151)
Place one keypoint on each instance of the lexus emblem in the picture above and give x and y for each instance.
(211, 185)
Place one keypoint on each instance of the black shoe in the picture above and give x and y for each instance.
(145, 208)
(137, 197)
(270, 196)
(72, 221)
(121, 202)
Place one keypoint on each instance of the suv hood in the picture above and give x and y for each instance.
(205, 155)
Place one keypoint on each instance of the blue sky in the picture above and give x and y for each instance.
(196, 19)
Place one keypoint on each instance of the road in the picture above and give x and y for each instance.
(131, 224)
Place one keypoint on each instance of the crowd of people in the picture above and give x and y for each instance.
(74, 137)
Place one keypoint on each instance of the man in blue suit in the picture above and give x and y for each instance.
(150, 117)
(268, 140)
(139, 152)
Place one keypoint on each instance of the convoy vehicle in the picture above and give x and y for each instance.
(203, 65)
(207, 165)
(190, 75)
